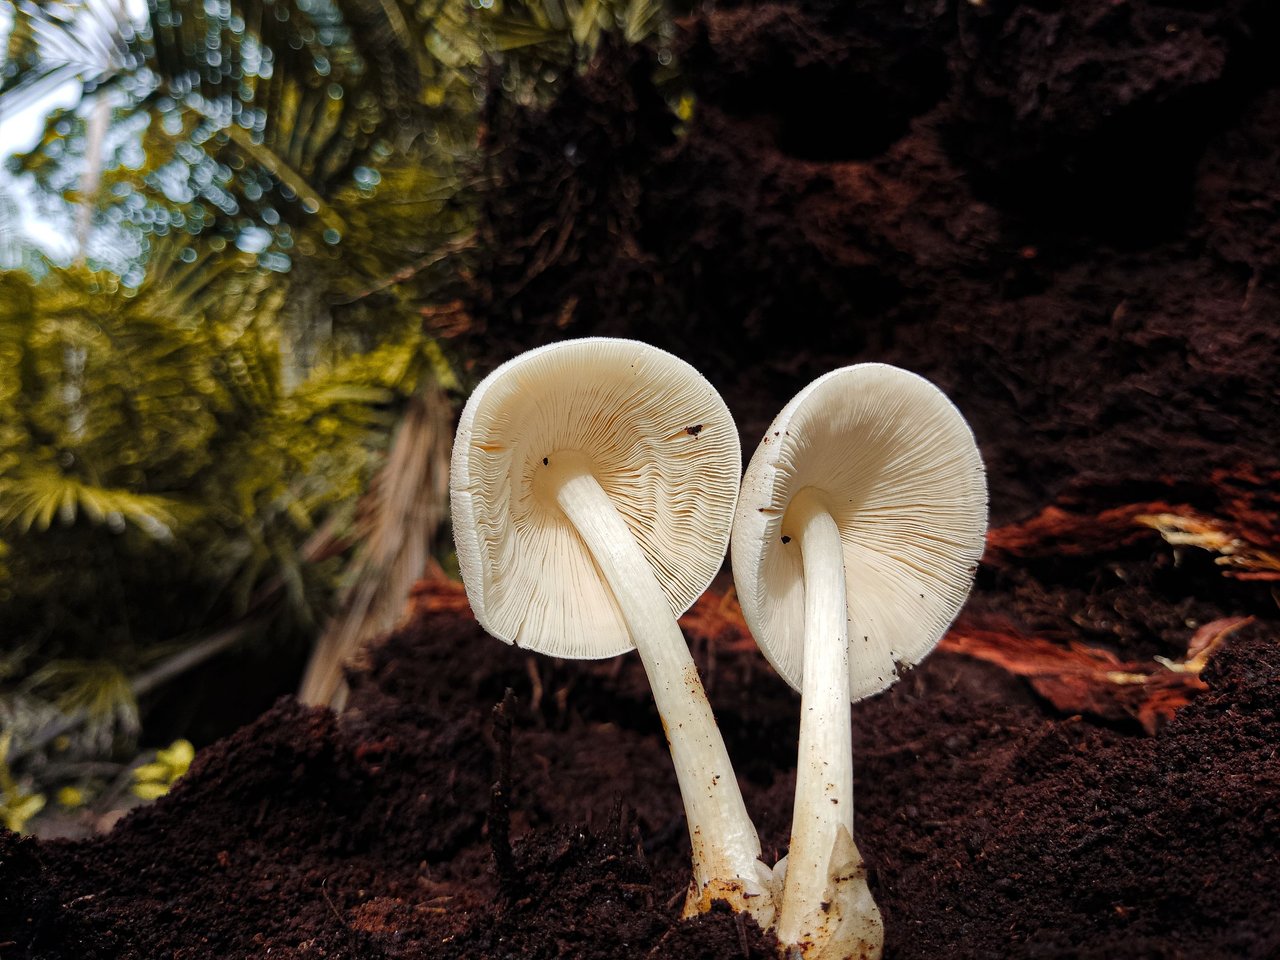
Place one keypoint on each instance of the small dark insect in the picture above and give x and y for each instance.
(694, 430)
(786, 539)
(544, 461)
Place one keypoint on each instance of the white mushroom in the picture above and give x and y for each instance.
(859, 528)
(593, 487)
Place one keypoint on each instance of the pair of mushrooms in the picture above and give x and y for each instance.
(594, 488)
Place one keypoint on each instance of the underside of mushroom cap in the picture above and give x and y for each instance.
(657, 438)
(896, 465)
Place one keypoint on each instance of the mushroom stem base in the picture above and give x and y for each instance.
(826, 908)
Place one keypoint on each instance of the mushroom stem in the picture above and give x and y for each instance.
(826, 906)
(726, 849)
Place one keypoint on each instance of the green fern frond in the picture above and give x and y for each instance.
(17, 805)
(97, 689)
(32, 499)
(98, 686)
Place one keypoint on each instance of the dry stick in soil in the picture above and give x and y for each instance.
(858, 532)
(593, 487)
(500, 801)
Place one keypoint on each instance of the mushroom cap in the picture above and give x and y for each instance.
(897, 467)
(659, 440)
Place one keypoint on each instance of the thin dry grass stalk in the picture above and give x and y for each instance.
(1243, 560)
(399, 520)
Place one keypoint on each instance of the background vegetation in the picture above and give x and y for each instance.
(268, 198)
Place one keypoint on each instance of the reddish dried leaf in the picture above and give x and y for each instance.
(1189, 529)
(1162, 700)
(1252, 501)
(1246, 539)
(439, 594)
(716, 618)
(1058, 531)
(1081, 679)
(1206, 640)
(1032, 656)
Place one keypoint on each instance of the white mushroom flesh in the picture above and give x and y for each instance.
(902, 478)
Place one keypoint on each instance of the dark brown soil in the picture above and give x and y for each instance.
(993, 824)
(1064, 214)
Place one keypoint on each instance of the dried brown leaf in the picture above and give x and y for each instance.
(1057, 531)
(1078, 678)
(1247, 561)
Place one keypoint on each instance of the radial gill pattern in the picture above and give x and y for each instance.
(896, 465)
(655, 435)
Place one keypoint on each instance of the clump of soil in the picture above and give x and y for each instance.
(1063, 214)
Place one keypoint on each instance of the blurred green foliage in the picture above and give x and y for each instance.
(265, 122)
(271, 193)
(155, 779)
(17, 805)
(155, 433)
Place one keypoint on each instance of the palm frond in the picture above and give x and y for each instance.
(307, 92)
(32, 499)
(52, 43)
(97, 690)
(644, 19)
(333, 142)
